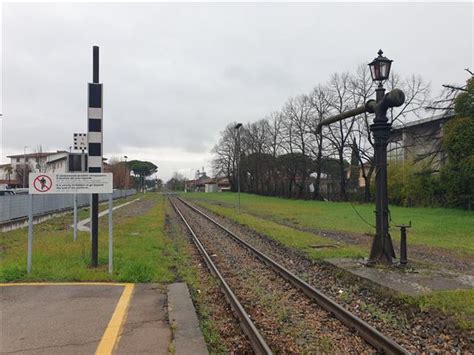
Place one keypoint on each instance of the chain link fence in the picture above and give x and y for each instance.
(13, 207)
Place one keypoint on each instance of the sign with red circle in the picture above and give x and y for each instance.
(42, 183)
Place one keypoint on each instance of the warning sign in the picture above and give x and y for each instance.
(42, 183)
(70, 183)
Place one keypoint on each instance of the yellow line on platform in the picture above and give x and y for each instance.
(112, 332)
(63, 284)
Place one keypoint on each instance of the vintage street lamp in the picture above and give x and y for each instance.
(382, 247)
(237, 127)
(380, 68)
(380, 71)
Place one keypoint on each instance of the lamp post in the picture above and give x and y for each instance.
(382, 247)
(237, 127)
(127, 173)
(24, 165)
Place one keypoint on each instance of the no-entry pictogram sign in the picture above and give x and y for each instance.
(42, 183)
(70, 183)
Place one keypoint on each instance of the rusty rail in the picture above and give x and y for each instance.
(256, 340)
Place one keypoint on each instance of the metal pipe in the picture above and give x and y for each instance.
(368, 107)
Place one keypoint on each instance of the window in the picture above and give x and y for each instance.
(17, 160)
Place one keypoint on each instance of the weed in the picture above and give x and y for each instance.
(325, 345)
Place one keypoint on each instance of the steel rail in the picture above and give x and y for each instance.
(256, 340)
(365, 330)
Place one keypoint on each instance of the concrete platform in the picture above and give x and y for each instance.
(105, 318)
(146, 329)
(418, 279)
(188, 338)
(50, 319)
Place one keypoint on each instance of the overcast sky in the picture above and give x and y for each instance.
(175, 74)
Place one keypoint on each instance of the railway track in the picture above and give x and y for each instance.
(377, 340)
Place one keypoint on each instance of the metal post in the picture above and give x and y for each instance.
(111, 238)
(24, 166)
(382, 247)
(95, 230)
(30, 234)
(403, 243)
(403, 247)
(83, 161)
(90, 217)
(75, 216)
(238, 165)
(95, 197)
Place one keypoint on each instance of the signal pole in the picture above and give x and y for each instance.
(94, 145)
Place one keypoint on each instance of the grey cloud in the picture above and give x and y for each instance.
(175, 74)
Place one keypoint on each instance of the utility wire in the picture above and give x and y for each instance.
(362, 218)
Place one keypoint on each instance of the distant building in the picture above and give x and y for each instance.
(42, 162)
(65, 162)
(36, 162)
(420, 141)
(207, 184)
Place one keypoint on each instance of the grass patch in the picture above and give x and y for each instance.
(457, 303)
(438, 227)
(141, 249)
(288, 236)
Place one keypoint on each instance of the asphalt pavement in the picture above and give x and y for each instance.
(84, 318)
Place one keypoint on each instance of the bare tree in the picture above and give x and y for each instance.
(417, 95)
(321, 106)
(362, 88)
(258, 161)
(340, 99)
(280, 152)
(40, 160)
(225, 152)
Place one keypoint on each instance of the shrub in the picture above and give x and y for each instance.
(412, 184)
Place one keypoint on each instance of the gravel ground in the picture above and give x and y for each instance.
(287, 319)
(416, 330)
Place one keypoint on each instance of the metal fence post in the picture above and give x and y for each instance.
(30, 234)
(75, 216)
(111, 238)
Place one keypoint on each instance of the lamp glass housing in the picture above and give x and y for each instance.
(380, 68)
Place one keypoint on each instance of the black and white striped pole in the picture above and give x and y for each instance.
(94, 145)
